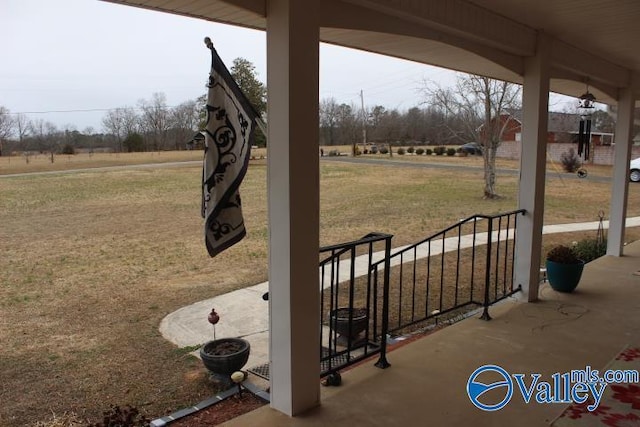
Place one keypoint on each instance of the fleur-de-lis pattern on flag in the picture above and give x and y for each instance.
(231, 121)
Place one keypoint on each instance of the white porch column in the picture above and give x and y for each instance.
(294, 204)
(620, 182)
(535, 100)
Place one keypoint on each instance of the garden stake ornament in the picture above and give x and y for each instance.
(213, 318)
(600, 235)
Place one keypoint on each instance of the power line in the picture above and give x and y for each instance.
(84, 110)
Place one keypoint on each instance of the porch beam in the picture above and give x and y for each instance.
(463, 18)
(620, 181)
(337, 14)
(595, 86)
(593, 68)
(535, 97)
(255, 6)
(294, 204)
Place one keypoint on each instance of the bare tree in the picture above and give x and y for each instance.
(130, 121)
(376, 117)
(349, 126)
(390, 125)
(121, 122)
(46, 136)
(154, 120)
(328, 120)
(415, 125)
(482, 107)
(7, 124)
(340, 124)
(112, 124)
(184, 121)
(22, 131)
(22, 127)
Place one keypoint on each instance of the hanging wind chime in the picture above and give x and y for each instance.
(585, 107)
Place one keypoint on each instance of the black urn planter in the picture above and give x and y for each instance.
(225, 356)
(339, 322)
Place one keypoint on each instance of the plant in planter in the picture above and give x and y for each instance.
(224, 356)
(590, 249)
(564, 268)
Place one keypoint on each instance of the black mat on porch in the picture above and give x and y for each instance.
(338, 360)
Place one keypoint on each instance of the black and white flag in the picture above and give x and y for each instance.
(231, 121)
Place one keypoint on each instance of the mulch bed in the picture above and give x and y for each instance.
(225, 410)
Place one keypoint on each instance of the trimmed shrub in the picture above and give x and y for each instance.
(451, 151)
(384, 150)
(134, 142)
(420, 151)
(429, 151)
(373, 150)
(410, 150)
(589, 249)
(440, 150)
(401, 151)
(68, 149)
(570, 161)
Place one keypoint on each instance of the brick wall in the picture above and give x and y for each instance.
(600, 155)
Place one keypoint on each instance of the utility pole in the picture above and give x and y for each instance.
(364, 121)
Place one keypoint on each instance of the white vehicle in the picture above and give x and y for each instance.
(634, 170)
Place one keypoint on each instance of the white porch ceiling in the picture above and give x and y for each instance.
(594, 41)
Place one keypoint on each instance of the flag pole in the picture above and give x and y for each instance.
(261, 124)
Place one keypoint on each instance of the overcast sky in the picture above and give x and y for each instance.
(60, 55)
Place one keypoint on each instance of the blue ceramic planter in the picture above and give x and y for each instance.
(564, 277)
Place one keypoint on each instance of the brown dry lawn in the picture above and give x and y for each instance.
(92, 261)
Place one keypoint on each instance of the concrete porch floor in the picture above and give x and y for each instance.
(426, 384)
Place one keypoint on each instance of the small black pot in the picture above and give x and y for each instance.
(225, 355)
(339, 321)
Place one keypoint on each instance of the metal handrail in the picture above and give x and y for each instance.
(341, 345)
(414, 294)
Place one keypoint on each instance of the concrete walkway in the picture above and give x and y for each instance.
(243, 313)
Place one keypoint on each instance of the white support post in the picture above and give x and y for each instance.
(294, 204)
(535, 99)
(620, 182)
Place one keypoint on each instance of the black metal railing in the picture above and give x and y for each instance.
(467, 265)
(353, 304)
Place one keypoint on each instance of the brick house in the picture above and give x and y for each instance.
(562, 135)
